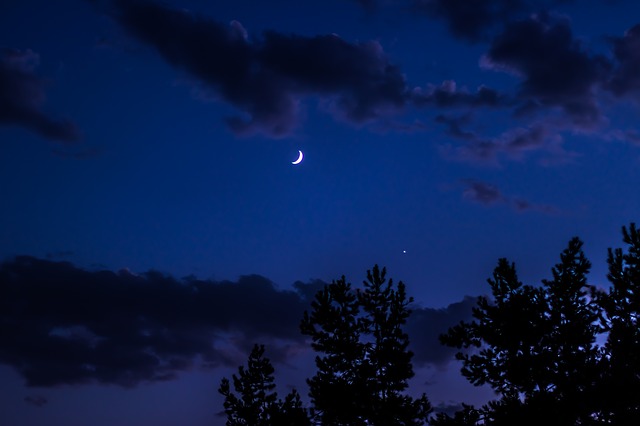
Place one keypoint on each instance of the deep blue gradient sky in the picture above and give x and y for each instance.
(438, 135)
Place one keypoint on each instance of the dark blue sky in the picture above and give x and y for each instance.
(438, 135)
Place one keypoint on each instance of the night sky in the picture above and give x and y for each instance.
(154, 226)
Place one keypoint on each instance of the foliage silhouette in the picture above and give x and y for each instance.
(620, 364)
(365, 365)
(338, 390)
(258, 403)
(536, 346)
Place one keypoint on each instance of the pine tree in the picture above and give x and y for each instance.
(621, 360)
(534, 345)
(365, 364)
(337, 390)
(257, 403)
(386, 310)
(572, 315)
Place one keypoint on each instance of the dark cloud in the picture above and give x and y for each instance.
(470, 19)
(36, 400)
(449, 408)
(487, 194)
(60, 324)
(473, 20)
(625, 79)
(454, 126)
(22, 94)
(482, 192)
(522, 205)
(513, 144)
(360, 75)
(307, 291)
(520, 140)
(267, 78)
(556, 71)
(425, 325)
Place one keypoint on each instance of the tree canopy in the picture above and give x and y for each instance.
(565, 352)
(365, 363)
(537, 347)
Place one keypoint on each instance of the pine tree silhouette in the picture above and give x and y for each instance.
(620, 364)
(535, 346)
(365, 365)
(257, 403)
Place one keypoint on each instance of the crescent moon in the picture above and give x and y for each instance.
(299, 160)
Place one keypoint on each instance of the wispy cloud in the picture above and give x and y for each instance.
(482, 192)
(516, 144)
(36, 400)
(487, 194)
(22, 94)
(447, 95)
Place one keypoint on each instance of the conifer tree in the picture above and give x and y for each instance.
(365, 364)
(337, 390)
(621, 361)
(256, 402)
(572, 317)
(535, 346)
(385, 311)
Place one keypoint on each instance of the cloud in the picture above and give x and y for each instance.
(449, 408)
(36, 400)
(60, 324)
(522, 205)
(630, 136)
(470, 19)
(22, 94)
(487, 194)
(425, 325)
(360, 75)
(540, 138)
(625, 79)
(454, 126)
(556, 71)
(64, 325)
(482, 192)
(270, 77)
(448, 95)
(267, 78)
